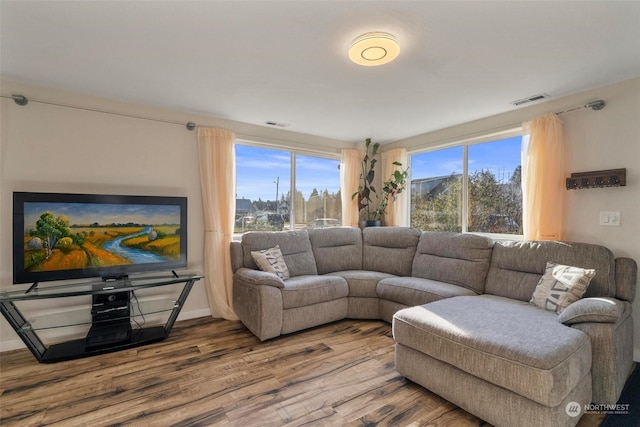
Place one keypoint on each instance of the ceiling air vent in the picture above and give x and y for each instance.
(530, 99)
(278, 124)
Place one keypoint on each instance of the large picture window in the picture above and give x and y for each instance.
(266, 178)
(473, 187)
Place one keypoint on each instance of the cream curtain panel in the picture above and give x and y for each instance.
(350, 168)
(217, 183)
(397, 210)
(543, 176)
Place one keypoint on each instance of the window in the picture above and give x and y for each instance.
(495, 191)
(317, 191)
(436, 190)
(264, 178)
(472, 187)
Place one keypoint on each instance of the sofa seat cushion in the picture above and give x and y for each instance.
(508, 343)
(412, 291)
(301, 291)
(362, 283)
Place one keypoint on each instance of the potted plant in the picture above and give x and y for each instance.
(371, 205)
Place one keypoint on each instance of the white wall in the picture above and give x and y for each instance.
(608, 139)
(596, 140)
(59, 149)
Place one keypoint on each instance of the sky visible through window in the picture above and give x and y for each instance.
(258, 169)
(499, 157)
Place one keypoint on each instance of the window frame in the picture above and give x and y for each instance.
(465, 143)
(293, 153)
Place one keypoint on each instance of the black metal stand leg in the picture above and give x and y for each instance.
(176, 311)
(27, 335)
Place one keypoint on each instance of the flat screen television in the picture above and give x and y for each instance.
(70, 236)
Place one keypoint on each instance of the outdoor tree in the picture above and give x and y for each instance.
(486, 201)
(439, 210)
(319, 204)
(446, 206)
(516, 177)
(493, 206)
(259, 204)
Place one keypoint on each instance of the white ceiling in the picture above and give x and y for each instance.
(286, 61)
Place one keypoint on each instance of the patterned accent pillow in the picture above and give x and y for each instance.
(271, 260)
(560, 286)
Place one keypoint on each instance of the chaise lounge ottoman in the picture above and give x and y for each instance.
(506, 361)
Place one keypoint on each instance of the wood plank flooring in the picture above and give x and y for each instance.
(216, 373)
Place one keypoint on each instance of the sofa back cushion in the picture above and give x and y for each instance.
(336, 248)
(294, 245)
(389, 249)
(459, 259)
(516, 267)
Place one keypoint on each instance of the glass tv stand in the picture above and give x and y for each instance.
(116, 319)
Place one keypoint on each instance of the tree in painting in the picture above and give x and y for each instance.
(51, 229)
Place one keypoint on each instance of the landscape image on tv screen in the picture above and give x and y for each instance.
(70, 236)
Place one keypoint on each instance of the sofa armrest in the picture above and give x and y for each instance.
(593, 310)
(258, 306)
(258, 277)
(237, 261)
(608, 323)
(626, 278)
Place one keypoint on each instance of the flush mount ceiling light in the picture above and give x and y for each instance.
(371, 49)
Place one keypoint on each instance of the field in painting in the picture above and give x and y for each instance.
(91, 254)
(167, 246)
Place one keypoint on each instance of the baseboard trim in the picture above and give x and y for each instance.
(16, 344)
(9, 345)
(193, 314)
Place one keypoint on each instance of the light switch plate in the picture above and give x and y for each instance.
(611, 218)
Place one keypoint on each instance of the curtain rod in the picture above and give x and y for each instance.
(594, 105)
(22, 101)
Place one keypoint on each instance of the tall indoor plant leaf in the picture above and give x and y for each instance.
(371, 204)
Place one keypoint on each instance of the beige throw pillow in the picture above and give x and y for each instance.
(560, 286)
(271, 260)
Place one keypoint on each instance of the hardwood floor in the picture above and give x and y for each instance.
(214, 372)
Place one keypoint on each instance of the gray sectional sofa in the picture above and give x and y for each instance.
(459, 305)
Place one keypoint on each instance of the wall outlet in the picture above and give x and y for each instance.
(610, 218)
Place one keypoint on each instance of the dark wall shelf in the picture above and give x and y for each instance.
(597, 179)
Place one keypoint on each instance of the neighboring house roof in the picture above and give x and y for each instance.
(244, 206)
(432, 185)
